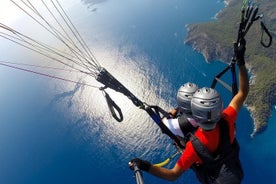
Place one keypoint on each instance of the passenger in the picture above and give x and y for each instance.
(180, 121)
(213, 151)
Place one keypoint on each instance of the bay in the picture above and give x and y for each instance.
(54, 132)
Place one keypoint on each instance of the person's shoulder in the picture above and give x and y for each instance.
(229, 111)
(229, 114)
(189, 151)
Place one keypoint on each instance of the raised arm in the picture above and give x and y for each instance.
(240, 97)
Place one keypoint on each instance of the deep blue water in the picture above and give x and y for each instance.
(51, 132)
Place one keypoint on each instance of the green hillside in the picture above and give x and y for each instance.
(214, 40)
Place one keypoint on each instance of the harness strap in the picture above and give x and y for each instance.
(264, 29)
(223, 148)
(202, 152)
(111, 82)
(154, 113)
(224, 165)
(185, 125)
(113, 107)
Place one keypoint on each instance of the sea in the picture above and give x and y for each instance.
(54, 132)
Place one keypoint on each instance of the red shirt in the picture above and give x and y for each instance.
(210, 139)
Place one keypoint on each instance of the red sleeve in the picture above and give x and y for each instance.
(230, 115)
(188, 157)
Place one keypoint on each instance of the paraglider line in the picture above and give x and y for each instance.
(47, 75)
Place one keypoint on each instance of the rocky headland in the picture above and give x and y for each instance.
(215, 41)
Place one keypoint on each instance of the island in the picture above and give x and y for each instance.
(215, 39)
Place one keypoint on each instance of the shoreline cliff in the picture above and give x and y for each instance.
(214, 41)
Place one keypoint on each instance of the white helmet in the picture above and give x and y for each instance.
(184, 96)
(206, 106)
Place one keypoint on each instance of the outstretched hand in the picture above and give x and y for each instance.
(239, 50)
(141, 164)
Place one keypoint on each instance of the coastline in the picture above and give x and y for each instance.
(214, 41)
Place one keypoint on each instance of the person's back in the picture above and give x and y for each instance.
(221, 165)
(206, 106)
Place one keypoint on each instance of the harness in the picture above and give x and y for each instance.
(185, 124)
(221, 167)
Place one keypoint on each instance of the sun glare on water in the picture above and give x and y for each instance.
(8, 12)
(84, 106)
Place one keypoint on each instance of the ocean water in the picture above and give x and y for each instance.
(57, 132)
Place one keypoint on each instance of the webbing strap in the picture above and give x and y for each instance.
(111, 82)
(202, 152)
(154, 111)
(223, 148)
(113, 107)
(265, 30)
(248, 17)
(155, 116)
